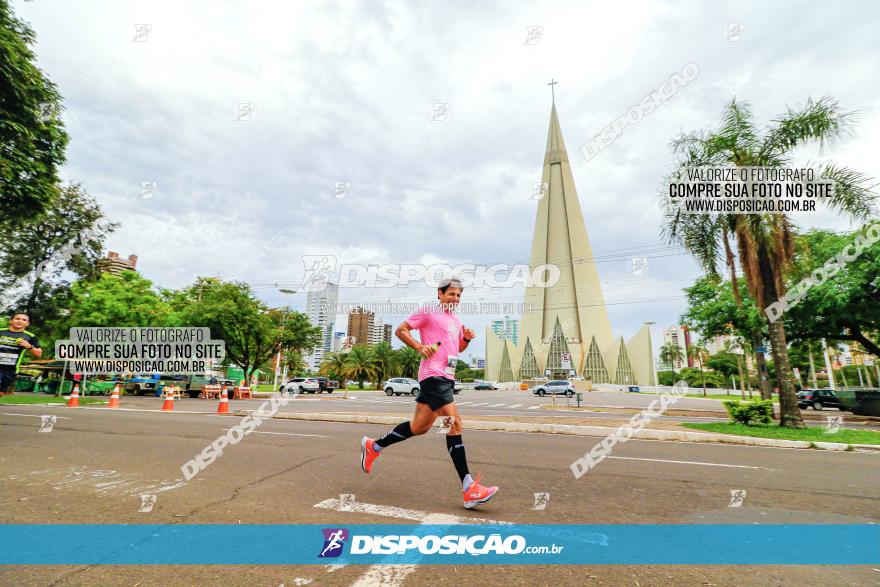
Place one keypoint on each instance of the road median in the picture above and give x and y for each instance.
(664, 434)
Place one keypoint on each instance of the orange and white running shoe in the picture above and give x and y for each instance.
(476, 494)
(368, 453)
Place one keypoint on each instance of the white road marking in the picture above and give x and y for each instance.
(462, 403)
(33, 415)
(692, 463)
(516, 406)
(396, 512)
(395, 575)
(496, 405)
(475, 405)
(534, 407)
(285, 433)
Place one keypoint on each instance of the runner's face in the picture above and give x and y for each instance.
(450, 297)
(19, 322)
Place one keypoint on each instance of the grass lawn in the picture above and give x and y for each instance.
(46, 399)
(774, 431)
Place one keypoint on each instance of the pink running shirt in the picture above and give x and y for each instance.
(438, 325)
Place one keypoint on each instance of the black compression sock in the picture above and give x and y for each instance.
(456, 451)
(400, 433)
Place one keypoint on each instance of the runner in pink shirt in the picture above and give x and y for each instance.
(442, 338)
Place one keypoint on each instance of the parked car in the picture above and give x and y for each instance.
(485, 385)
(327, 385)
(819, 399)
(555, 387)
(456, 387)
(400, 386)
(302, 385)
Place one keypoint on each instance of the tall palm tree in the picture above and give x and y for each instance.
(698, 353)
(385, 361)
(359, 364)
(763, 242)
(408, 359)
(669, 354)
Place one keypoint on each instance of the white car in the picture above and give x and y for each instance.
(302, 385)
(400, 386)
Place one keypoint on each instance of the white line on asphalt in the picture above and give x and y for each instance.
(396, 512)
(692, 463)
(496, 405)
(395, 575)
(516, 406)
(33, 415)
(285, 433)
(462, 403)
(475, 405)
(534, 407)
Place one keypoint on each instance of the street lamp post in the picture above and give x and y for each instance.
(287, 293)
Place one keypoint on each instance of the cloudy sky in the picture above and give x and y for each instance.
(344, 91)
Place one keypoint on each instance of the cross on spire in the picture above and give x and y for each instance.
(552, 89)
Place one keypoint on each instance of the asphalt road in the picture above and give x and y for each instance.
(96, 463)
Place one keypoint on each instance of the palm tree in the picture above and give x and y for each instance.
(669, 354)
(698, 352)
(385, 361)
(333, 366)
(763, 242)
(359, 364)
(408, 359)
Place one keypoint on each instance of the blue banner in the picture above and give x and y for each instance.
(520, 544)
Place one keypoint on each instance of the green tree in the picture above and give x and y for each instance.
(359, 364)
(67, 237)
(669, 354)
(251, 331)
(32, 135)
(764, 242)
(845, 307)
(698, 352)
(384, 361)
(334, 367)
(409, 360)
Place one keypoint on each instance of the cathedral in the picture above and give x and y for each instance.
(567, 332)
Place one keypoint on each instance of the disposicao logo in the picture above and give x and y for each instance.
(334, 541)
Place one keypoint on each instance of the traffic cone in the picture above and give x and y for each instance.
(114, 398)
(168, 406)
(73, 402)
(223, 408)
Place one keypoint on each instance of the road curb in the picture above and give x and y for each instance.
(575, 430)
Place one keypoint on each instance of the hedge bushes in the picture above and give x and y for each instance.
(759, 411)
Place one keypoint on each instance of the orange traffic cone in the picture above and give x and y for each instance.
(73, 402)
(168, 406)
(223, 408)
(114, 398)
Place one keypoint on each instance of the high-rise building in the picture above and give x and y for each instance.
(567, 330)
(507, 329)
(338, 337)
(360, 324)
(321, 310)
(386, 333)
(115, 264)
(680, 336)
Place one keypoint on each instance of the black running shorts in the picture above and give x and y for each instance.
(436, 392)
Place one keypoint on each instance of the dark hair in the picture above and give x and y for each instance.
(25, 314)
(450, 282)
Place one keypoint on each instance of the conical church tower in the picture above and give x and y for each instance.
(568, 327)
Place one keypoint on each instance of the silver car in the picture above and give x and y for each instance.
(401, 386)
(555, 387)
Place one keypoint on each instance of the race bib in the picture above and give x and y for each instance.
(8, 358)
(450, 366)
